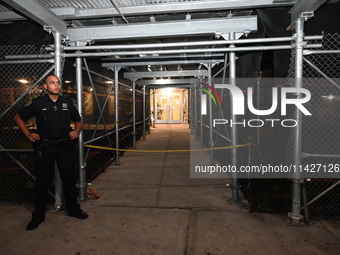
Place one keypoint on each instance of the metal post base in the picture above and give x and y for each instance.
(58, 209)
(295, 217)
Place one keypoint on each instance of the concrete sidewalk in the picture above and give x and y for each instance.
(149, 205)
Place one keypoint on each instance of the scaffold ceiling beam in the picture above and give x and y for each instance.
(40, 14)
(216, 26)
(186, 73)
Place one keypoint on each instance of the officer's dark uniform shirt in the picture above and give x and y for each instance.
(53, 119)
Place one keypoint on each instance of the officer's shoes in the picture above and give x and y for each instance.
(79, 214)
(34, 223)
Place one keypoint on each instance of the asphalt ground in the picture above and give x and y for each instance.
(149, 205)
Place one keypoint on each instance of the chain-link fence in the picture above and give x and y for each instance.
(19, 83)
(23, 69)
(320, 136)
(321, 131)
(99, 129)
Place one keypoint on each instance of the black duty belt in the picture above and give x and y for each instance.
(55, 141)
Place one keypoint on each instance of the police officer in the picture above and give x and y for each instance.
(53, 143)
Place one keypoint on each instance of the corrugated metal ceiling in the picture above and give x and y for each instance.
(141, 10)
(104, 3)
(113, 13)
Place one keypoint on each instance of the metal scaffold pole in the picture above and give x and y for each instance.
(296, 200)
(211, 141)
(82, 165)
(190, 114)
(196, 114)
(134, 112)
(58, 200)
(232, 75)
(201, 117)
(154, 109)
(144, 113)
(116, 69)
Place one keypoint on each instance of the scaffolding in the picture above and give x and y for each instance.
(113, 130)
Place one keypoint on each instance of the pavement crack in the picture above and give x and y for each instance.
(187, 234)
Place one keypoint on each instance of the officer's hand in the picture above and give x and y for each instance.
(73, 135)
(33, 137)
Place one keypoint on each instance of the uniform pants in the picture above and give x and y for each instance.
(45, 156)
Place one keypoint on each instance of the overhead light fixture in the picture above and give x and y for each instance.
(23, 81)
(167, 90)
(108, 82)
(152, 19)
(330, 97)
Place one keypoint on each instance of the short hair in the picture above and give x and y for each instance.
(45, 80)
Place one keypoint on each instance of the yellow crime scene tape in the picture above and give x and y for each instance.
(205, 149)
